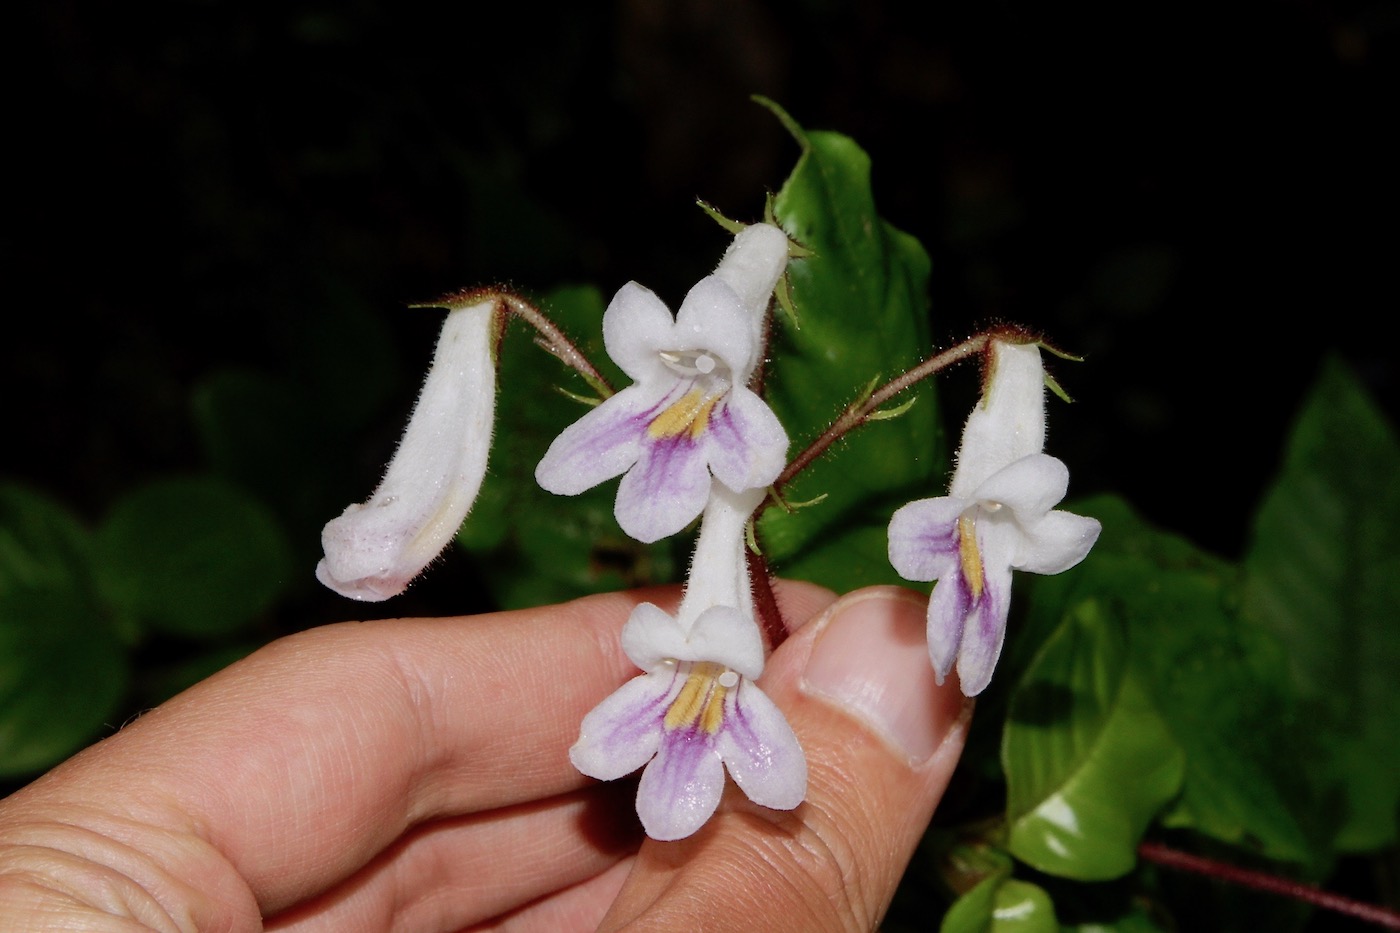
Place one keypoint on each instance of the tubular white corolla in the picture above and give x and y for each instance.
(998, 516)
(696, 712)
(376, 547)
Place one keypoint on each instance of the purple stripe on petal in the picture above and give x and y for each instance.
(985, 632)
(602, 444)
(746, 443)
(665, 491)
(623, 732)
(761, 750)
(948, 609)
(924, 538)
(681, 788)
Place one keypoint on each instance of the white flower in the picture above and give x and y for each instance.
(997, 517)
(695, 710)
(375, 548)
(689, 415)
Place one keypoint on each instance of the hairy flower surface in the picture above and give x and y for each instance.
(695, 710)
(998, 516)
(689, 417)
(375, 548)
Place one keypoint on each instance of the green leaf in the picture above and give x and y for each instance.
(42, 544)
(261, 432)
(536, 547)
(62, 667)
(1219, 686)
(862, 309)
(62, 675)
(1088, 760)
(196, 556)
(1322, 574)
(1002, 905)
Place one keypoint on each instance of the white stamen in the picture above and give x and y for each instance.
(689, 362)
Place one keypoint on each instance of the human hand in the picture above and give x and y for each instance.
(414, 775)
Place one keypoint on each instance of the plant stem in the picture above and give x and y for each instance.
(1259, 881)
(858, 413)
(770, 617)
(553, 340)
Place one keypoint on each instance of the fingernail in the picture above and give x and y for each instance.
(870, 660)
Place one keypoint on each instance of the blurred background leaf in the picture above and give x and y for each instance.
(1322, 575)
(191, 556)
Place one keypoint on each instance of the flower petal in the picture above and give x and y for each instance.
(761, 750)
(653, 635)
(985, 630)
(666, 489)
(948, 609)
(602, 444)
(744, 442)
(623, 732)
(723, 635)
(680, 790)
(924, 537)
(712, 318)
(636, 325)
(1055, 542)
(1030, 486)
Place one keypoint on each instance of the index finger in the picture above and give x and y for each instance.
(299, 763)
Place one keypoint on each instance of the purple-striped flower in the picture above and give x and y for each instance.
(998, 516)
(694, 712)
(689, 416)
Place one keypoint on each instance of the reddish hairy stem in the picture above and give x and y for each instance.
(1259, 881)
(553, 340)
(770, 617)
(858, 414)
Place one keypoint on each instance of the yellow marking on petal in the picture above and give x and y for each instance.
(701, 700)
(971, 556)
(689, 414)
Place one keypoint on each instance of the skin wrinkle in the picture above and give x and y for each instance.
(82, 881)
(411, 884)
(147, 855)
(173, 813)
(577, 909)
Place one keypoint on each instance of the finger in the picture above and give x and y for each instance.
(448, 874)
(578, 909)
(286, 773)
(295, 766)
(881, 740)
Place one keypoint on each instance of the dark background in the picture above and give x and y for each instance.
(1199, 199)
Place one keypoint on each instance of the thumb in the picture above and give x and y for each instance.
(881, 740)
